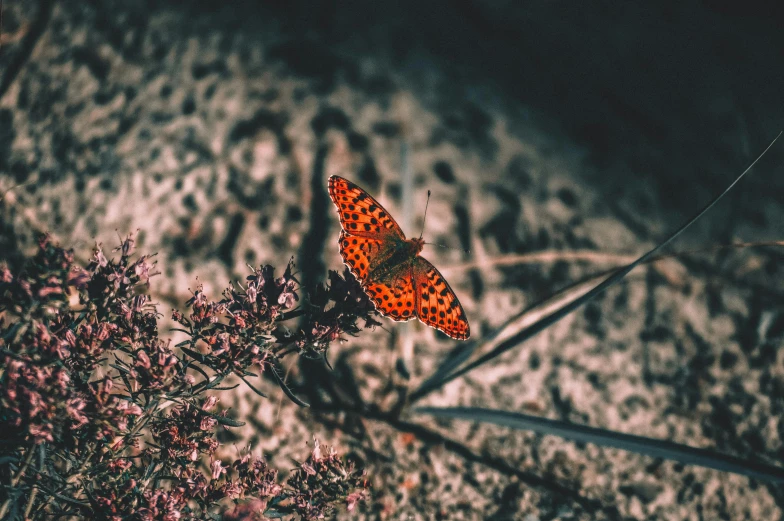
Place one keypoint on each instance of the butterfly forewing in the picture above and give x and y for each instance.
(360, 214)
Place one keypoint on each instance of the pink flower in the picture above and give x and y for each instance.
(78, 277)
(251, 293)
(41, 432)
(142, 360)
(49, 290)
(217, 469)
(354, 498)
(251, 511)
(208, 423)
(166, 359)
(316, 450)
(131, 409)
(143, 270)
(99, 257)
(74, 410)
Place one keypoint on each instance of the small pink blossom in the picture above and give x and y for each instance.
(142, 360)
(209, 403)
(217, 469)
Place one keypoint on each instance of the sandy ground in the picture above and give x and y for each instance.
(549, 129)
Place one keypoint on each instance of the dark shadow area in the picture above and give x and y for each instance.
(662, 90)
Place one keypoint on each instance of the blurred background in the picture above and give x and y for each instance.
(586, 130)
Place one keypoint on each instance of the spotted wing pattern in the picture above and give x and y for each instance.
(437, 305)
(368, 240)
(358, 253)
(396, 300)
(360, 214)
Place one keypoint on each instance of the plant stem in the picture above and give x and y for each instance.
(87, 457)
(15, 480)
(30, 502)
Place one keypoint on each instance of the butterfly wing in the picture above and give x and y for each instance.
(368, 239)
(436, 303)
(395, 299)
(359, 253)
(360, 214)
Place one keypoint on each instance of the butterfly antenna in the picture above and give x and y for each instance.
(1, 25)
(425, 217)
(464, 250)
(423, 227)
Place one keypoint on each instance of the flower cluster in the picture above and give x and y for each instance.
(233, 330)
(333, 310)
(235, 333)
(323, 478)
(186, 432)
(38, 398)
(104, 419)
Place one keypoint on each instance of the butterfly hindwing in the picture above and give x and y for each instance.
(360, 214)
(436, 304)
(394, 299)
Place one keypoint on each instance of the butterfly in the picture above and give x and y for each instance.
(402, 284)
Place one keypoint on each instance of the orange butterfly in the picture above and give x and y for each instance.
(402, 284)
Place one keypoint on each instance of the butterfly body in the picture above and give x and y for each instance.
(395, 260)
(402, 284)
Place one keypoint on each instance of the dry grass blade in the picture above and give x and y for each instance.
(594, 257)
(463, 352)
(432, 383)
(639, 444)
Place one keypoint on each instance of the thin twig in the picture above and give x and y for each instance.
(33, 494)
(23, 469)
(87, 458)
(1, 26)
(62, 497)
(595, 257)
(280, 402)
(15, 480)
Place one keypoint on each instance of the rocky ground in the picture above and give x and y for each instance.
(548, 128)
